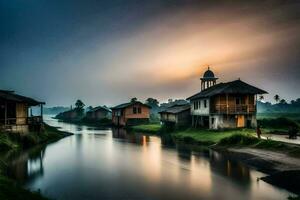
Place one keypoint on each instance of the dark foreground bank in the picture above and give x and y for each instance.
(13, 142)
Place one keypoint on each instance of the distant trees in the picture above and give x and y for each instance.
(282, 101)
(134, 99)
(79, 104)
(152, 102)
(277, 98)
(261, 97)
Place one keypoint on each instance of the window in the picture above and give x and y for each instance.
(238, 101)
(139, 110)
(134, 110)
(199, 104)
(212, 121)
(205, 103)
(195, 105)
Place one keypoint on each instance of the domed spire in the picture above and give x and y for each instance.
(208, 79)
(208, 73)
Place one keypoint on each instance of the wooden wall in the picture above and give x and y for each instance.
(21, 113)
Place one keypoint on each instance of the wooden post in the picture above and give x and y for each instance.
(5, 114)
(41, 106)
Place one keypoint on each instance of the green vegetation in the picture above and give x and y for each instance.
(292, 116)
(14, 141)
(149, 128)
(10, 190)
(277, 125)
(207, 137)
(242, 140)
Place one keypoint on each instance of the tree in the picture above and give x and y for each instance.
(152, 102)
(134, 99)
(283, 101)
(277, 98)
(79, 105)
(261, 97)
(90, 108)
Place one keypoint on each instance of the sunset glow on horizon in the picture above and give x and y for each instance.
(160, 55)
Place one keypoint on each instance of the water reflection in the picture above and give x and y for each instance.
(115, 164)
(28, 165)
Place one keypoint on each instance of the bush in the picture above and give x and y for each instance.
(280, 122)
(239, 139)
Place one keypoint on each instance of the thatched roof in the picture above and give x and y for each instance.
(11, 96)
(176, 109)
(125, 105)
(233, 87)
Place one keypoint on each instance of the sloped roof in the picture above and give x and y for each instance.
(100, 108)
(125, 105)
(11, 96)
(176, 109)
(233, 87)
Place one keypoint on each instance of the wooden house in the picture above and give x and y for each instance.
(70, 115)
(14, 113)
(224, 105)
(131, 113)
(176, 115)
(98, 113)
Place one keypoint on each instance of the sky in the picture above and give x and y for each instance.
(105, 52)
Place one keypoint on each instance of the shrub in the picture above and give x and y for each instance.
(280, 122)
(239, 139)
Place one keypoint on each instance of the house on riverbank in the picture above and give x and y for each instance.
(131, 113)
(224, 105)
(14, 113)
(176, 115)
(98, 113)
(70, 115)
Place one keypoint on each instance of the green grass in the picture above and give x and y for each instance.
(207, 137)
(248, 140)
(149, 128)
(10, 190)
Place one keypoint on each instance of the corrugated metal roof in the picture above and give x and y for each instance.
(176, 109)
(233, 87)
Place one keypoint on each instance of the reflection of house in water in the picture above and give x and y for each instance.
(218, 163)
(136, 138)
(224, 166)
(28, 165)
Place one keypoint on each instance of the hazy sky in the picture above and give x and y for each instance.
(105, 52)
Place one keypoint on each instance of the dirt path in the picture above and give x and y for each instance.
(278, 161)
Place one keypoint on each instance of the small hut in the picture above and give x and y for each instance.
(98, 113)
(131, 113)
(14, 112)
(176, 115)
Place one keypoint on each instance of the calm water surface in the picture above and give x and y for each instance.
(113, 164)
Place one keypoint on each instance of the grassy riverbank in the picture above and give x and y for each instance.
(149, 128)
(9, 189)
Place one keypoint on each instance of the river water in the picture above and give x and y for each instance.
(113, 164)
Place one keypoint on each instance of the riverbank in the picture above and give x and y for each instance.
(100, 124)
(9, 189)
(275, 158)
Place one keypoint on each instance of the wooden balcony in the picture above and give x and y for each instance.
(232, 109)
(22, 121)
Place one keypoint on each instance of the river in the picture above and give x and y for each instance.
(113, 164)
